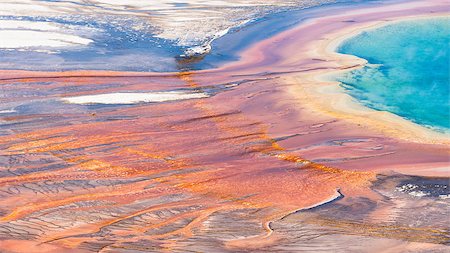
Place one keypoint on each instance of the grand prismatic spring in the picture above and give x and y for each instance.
(224, 126)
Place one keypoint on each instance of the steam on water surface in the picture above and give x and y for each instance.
(121, 35)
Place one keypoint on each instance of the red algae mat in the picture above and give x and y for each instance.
(255, 165)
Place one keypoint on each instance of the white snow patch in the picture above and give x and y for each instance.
(7, 111)
(134, 98)
(20, 34)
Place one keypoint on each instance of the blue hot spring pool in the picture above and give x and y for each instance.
(407, 72)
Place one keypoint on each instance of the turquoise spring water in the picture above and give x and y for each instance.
(408, 72)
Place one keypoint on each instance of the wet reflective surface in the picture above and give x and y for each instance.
(248, 166)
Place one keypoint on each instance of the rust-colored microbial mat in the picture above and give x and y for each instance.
(234, 159)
